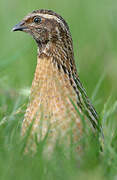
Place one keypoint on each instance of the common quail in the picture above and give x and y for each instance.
(56, 87)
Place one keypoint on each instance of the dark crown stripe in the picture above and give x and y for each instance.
(50, 12)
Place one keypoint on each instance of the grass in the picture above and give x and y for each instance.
(91, 164)
(93, 26)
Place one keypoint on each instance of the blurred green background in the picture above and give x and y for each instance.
(93, 26)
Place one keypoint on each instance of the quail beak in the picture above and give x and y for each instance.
(19, 27)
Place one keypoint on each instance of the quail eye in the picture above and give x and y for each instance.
(37, 20)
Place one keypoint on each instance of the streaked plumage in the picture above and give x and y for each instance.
(56, 80)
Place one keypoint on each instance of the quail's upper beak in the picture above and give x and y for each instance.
(19, 27)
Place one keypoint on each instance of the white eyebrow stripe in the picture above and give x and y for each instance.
(48, 16)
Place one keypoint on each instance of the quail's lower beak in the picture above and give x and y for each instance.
(19, 27)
